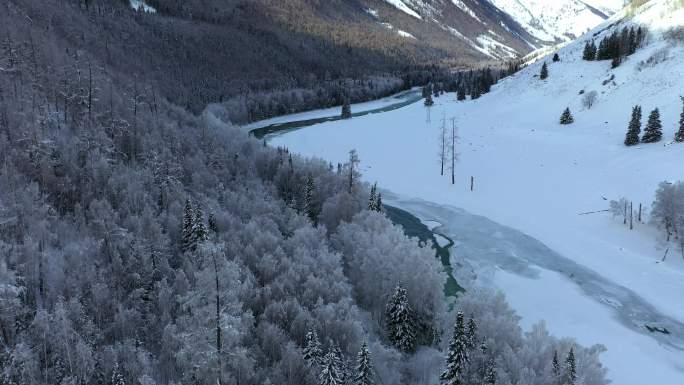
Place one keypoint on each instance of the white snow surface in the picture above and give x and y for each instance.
(535, 175)
(402, 6)
(141, 5)
(557, 20)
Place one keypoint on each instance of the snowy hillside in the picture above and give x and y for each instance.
(553, 182)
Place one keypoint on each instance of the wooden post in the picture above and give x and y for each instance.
(624, 221)
(472, 183)
(631, 216)
(639, 212)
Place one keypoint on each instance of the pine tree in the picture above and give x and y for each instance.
(544, 72)
(313, 353)
(400, 321)
(589, 53)
(378, 203)
(329, 374)
(340, 363)
(555, 368)
(364, 367)
(461, 93)
(199, 229)
(373, 197)
(570, 369)
(346, 110)
(634, 129)
(457, 355)
(566, 117)
(654, 128)
(556, 58)
(471, 334)
(679, 137)
(187, 236)
(310, 208)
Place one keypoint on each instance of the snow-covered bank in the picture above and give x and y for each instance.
(535, 175)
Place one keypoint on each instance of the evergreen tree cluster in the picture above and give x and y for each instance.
(653, 132)
(616, 46)
(346, 110)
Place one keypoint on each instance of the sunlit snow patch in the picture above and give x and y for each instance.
(140, 5)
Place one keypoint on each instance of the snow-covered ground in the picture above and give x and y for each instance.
(535, 175)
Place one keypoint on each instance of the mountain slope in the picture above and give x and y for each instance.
(554, 21)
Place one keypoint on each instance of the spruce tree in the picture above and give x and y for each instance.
(457, 355)
(198, 228)
(364, 367)
(589, 53)
(401, 327)
(329, 374)
(544, 72)
(654, 128)
(566, 117)
(634, 129)
(461, 93)
(373, 197)
(340, 363)
(310, 207)
(570, 369)
(555, 368)
(679, 137)
(378, 203)
(187, 236)
(471, 334)
(346, 110)
(313, 353)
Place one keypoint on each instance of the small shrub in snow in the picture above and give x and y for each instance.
(589, 99)
(656, 58)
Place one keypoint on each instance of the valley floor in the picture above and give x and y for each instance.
(537, 177)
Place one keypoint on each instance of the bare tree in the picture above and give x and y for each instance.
(589, 99)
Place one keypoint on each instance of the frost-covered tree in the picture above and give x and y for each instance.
(310, 204)
(313, 352)
(471, 334)
(679, 136)
(654, 128)
(555, 368)
(400, 321)
(668, 207)
(188, 233)
(364, 367)
(373, 197)
(330, 371)
(457, 354)
(490, 373)
(566, 117)
(198, 228)
(353, 172)
(570, 377)
(634, 129)
(117, 376)
(544, 72)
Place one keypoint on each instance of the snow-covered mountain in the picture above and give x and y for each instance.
(558, 20)
(507, 28)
